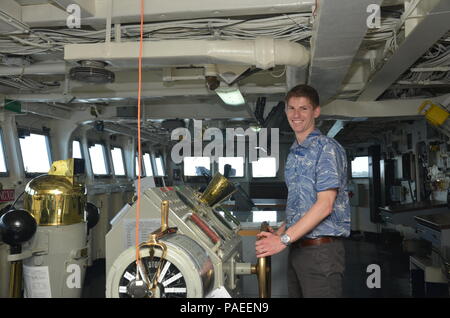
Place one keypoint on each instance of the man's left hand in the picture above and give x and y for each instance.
(268, 244)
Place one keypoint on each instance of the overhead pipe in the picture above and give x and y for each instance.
(160, 91)
(34, 69)
(263, 52)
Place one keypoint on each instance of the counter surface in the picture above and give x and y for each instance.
(438, 221)
(423, 205)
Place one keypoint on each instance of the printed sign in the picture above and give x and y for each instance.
(37, 282)
(6, 195)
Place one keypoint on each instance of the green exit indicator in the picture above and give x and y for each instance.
(13, 105)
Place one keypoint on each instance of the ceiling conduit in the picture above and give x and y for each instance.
(47, 68)
(262, 52)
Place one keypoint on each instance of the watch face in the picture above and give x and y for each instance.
(285, 239)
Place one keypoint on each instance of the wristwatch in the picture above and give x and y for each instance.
(285, 239)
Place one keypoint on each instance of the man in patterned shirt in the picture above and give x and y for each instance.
(317, 210)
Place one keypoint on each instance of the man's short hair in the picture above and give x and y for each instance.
(306, 91)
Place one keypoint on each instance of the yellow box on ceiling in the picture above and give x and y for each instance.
(435, 114)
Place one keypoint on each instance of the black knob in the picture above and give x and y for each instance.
(5, 209)
(227, 170)
(17, 227)
(92, 214)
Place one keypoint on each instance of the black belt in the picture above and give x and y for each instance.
(315, 241)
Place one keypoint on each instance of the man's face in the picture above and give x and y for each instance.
(301, 114)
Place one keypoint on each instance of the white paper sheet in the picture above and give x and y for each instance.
(37, 282)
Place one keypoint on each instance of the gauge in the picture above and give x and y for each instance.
(185, 271)
(171, 283)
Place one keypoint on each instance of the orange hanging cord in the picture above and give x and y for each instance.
(138, 202)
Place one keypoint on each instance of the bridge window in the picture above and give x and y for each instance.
(98, 159)
(264, 167)
(3, 169)
(159, 167)
(117, 159)
(261, 216)
(360, 167)
(35, 153)
(193, 166)
(237, 166)
(136, 168)
(76, 150)
(148, 165)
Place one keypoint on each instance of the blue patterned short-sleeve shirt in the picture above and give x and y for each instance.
(317, 164)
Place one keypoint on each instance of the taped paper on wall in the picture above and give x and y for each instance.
(37, 282)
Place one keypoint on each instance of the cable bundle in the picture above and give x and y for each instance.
(293, 27)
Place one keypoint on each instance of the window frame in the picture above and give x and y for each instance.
(136, 162)
(81, 148)
(244, 164)
(263, 178)
(351, 167)
(151, 164)
(211, 162)
(123, 162)
(162, 166)
(5, 157)
(105, 157)
(49, 151)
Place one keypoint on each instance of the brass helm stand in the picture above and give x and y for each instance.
(56, 198)
(59, 197)
(263, 271)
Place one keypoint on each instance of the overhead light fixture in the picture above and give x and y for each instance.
(255, 128)
(230, 95)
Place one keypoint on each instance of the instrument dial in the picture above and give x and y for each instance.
(170, 284)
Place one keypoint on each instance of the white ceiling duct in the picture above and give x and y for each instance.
(44, 68)
(262, 52)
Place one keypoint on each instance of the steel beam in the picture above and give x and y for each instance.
(11, 17)
(46, 111)
(87, 7)
(386, 108)
(337, 35)
(336, 128)
(197, 111)
(156, 10)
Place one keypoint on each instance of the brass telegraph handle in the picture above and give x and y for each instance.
(263, 270)
(154, 242)
(164, 215)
